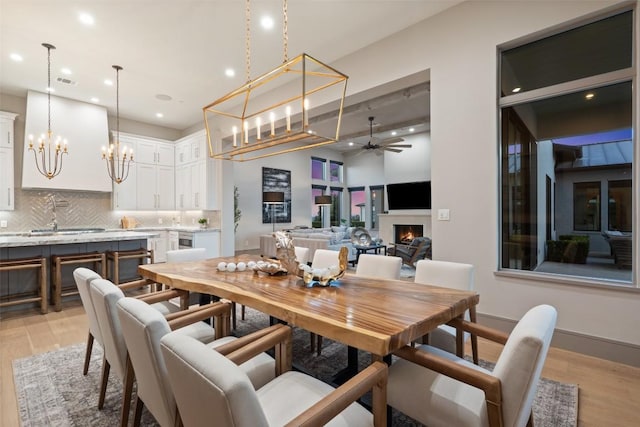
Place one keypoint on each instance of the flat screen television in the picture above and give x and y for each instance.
(409, 195)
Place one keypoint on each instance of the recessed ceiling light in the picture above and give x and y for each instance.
(394, 133)
(516, 89)
(94, 100)
(159, 115)
(266, 22)
(411, 129)
(229, 72)
(589, 96)
(108, 82)
(86, 19)
(65, 71)
(16, 57)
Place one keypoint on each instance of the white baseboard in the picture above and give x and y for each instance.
(603, 348)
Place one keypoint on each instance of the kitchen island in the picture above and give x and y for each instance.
(48, 244)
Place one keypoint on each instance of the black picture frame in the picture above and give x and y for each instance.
(276, 180)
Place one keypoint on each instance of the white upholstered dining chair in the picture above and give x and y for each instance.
(454, 275)
(322, 258)
(83, 277)
(209, 386)
(379, 266)
(105, 295)
(302, 254)
(440, 389)
(142, 329)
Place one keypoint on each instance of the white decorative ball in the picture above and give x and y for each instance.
(251, 264)
(241, 266)
(231, 267)
(222, 266)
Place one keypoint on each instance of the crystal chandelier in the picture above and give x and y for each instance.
(250, 126)
(118, 162)
(48, 155)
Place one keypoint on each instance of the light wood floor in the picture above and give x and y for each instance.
(609, 392)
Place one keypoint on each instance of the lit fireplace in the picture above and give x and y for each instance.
(405, 233)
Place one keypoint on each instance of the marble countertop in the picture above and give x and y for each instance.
(12, 240)
(194, 229)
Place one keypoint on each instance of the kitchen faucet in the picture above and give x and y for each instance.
(54, 222)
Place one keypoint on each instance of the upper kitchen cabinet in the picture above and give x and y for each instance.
(195, 174)
(86, 129)
(150, 185)
(6, 161)
(155, 153)
(125, 193)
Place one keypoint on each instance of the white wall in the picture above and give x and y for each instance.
(459, 48)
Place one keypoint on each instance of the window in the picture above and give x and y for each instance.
(377, 204)
(619, 205)
(335, 171)
(336, 205)
(358, 204)
(316, 210)
(586, 206)
(567, 140)
(318, 168)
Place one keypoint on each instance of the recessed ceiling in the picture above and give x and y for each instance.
(180, 49)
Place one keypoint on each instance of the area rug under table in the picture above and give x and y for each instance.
(51, 390)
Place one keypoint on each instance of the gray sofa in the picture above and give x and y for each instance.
(313, 238)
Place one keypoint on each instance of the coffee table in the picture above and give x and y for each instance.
(374, 248)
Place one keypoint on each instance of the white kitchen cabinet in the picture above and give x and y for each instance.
(6, 179)
(159, 244)
(6, 161)
(155, 187)
(173, 243)
(210, 240)
(154, 153)
(183, 186)
(166, 188)
(195, 178)
(124, 194)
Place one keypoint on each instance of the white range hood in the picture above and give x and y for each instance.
(85, 126)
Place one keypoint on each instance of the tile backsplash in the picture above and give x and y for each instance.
(34, 209)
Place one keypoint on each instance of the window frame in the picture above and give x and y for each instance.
(587, 83)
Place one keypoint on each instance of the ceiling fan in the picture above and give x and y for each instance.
(383, 145)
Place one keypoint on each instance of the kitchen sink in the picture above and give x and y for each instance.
(64, 231)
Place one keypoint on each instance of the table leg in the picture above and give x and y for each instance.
(350, 370)
(474, 337)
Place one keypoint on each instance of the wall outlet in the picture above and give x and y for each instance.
(443, 214)
(159, 220)
(3, 223)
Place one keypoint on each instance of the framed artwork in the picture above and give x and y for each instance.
(276, 180)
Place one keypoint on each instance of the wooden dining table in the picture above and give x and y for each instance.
(374, 315)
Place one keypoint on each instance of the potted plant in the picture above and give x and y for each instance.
(203, 222)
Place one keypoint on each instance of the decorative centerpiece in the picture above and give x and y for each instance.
(324, 276)
(286, 263)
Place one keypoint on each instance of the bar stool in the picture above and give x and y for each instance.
(24, 264)
(113, 267)
(57, 261)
